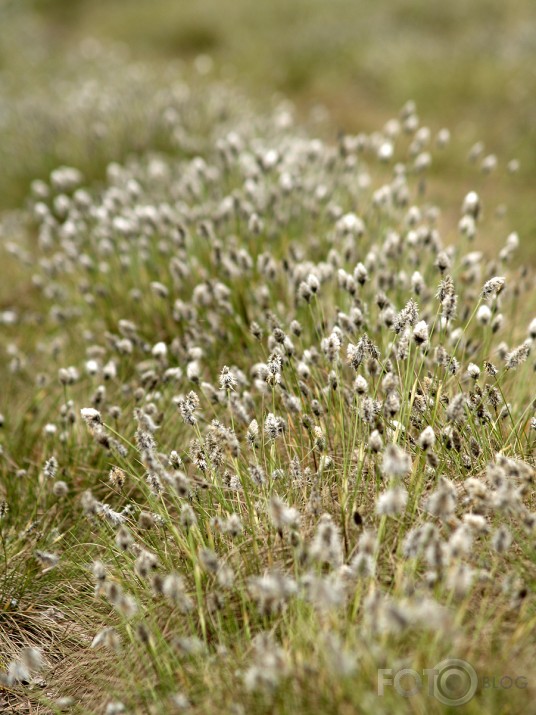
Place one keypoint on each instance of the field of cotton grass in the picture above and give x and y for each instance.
(268, 417)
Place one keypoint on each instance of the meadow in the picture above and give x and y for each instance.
(267, 318)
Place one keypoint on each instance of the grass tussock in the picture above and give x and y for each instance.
(274, 427)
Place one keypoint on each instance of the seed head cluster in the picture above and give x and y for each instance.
(290, 420)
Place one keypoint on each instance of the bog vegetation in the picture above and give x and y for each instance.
(268, 423)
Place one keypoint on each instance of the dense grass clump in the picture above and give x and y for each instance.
(275, 430)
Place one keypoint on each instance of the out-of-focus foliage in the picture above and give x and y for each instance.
(469, 65)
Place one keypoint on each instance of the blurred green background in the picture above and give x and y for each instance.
(469, 65)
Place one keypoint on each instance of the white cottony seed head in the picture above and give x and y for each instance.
(91, 416)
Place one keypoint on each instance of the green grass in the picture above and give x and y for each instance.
(219, 239)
